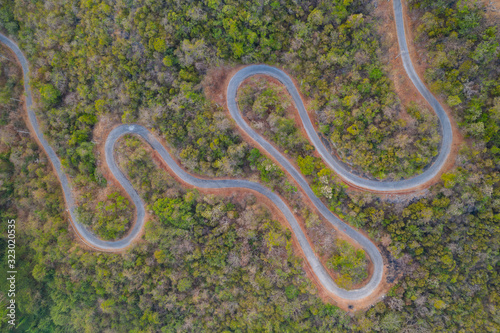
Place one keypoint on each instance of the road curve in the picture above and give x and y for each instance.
(338, 166)
(234, 83)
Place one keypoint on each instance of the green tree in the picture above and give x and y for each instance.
(306, 164)
(50, 95)
(176, 212)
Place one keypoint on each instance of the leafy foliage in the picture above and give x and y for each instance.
(349, 263)
(176, 212)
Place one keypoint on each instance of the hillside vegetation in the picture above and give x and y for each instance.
(211, 263)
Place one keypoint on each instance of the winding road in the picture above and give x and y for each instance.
(318, 269)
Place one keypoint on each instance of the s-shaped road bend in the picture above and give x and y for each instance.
(318, 269)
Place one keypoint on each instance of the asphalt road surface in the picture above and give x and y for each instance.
(324, 278)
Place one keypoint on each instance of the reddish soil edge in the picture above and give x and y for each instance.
(492, 9)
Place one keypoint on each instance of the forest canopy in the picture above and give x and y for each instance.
(215, 263)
